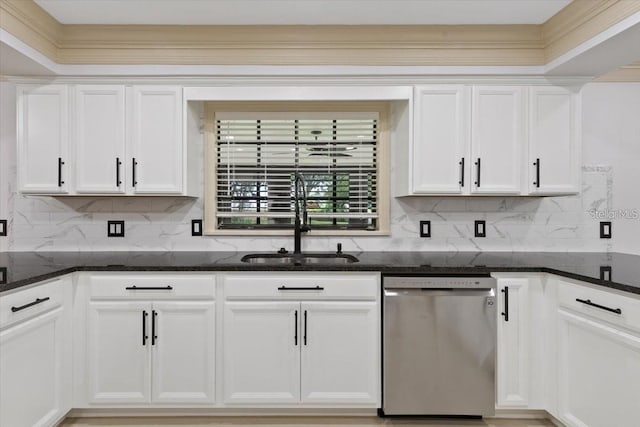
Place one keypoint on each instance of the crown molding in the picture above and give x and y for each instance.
(627, 74)
(32, 25)
(581, 20)
(393, 45)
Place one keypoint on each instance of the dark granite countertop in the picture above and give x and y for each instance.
(19, 269)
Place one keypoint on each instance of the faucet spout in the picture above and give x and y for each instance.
(300, 225)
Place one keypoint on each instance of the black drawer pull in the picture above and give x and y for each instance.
(305, 328)
(478, 173)
(31, 304)
(505, 313)
(149, 288)
(144, 327)
(461, 163)
(286, 288)
(118, 163)
(602, 307)
(295, 334)
(154, 331)
(60, 163)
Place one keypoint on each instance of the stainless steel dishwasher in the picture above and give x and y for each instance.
(439, 346)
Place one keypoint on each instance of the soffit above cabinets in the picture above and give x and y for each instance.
(302, 12)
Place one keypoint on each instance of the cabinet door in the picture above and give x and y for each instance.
(30, 365)
(119, 344)
(497, 138)
(42, 139)
(183, 362)
(99, 139)
(441, 139)
(513, 343)
(262, 352)
(554, 132)
(340, 348)
(599, 374)
(156, 140)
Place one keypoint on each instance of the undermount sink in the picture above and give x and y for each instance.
(300, 259)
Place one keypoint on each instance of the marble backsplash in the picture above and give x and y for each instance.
(39, 223)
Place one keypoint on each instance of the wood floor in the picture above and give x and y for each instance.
(296, 421)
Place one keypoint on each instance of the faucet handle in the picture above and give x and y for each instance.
(339, 248)
(283, 251)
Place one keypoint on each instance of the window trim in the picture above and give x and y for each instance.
(383, 151)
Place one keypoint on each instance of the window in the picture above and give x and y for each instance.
(252, 157)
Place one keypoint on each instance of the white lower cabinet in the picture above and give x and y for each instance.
(338, 352)
(304, 346)
(598, 359)
(160, 352)
(118, 356)
(261, 352)
(30, 365)
(513, 371)
(35, 355)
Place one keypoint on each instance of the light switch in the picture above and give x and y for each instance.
(3, 227)
(605, 272)
(480, 229)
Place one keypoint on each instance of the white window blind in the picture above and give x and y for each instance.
(258, 154)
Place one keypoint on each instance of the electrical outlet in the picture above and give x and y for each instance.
(425, 228)
(115, 228)
(480, 228)
(196, 227)
(3, 275)
(3, 227)
(605, 229)
(605, 272)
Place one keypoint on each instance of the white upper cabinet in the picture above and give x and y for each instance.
(124, 140)
(441, 139)
(42, 139)
(492, 140)
(554, 155)
(497, 138)
(156, 139)
(100, 138)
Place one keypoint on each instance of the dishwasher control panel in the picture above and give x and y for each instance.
(440, 282)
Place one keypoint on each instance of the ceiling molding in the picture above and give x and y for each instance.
(390, 45)
(31, 24)
(302, 45)
(626, 74)
(580, 21)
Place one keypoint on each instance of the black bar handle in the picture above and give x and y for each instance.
(305, 328)
(602, 307)
(60, 163)
(149, 288)
(295, 334)
(461, 163)
(309, 288)
(478, 173)
(118, 163)
(505, 313)
(134, 164)
(31, 304)
(154, 336)
(144, 327)
(537, 165)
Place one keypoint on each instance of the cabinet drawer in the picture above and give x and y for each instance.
(569, 294)
(30, 302)
(301, 286)
(151, 286)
